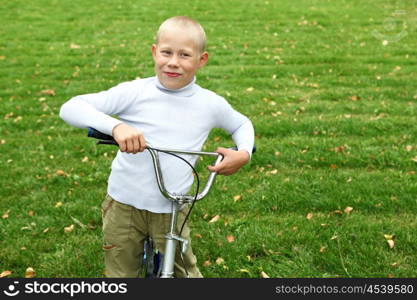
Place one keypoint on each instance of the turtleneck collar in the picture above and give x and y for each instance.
(185, 91)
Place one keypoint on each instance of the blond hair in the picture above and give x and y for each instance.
(185, 23)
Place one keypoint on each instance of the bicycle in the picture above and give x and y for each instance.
(153, 260)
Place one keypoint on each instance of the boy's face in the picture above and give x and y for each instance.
(177, 57)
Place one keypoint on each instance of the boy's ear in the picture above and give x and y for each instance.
(203, 59)
(154, 50)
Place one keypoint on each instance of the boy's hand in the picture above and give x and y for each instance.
(130, 139)
(232, 161)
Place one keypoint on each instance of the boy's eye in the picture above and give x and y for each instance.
(166, 52)
(185, 54)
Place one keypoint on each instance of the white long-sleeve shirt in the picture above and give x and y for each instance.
(176, 119)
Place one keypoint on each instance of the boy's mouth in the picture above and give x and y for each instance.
(172, 74)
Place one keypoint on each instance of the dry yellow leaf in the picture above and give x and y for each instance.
(244, 271)
(6, 214)
(237, 198)
(75, 46)
(31, 213)
(250, 89)
(58, 204)
(391, 243)
(206, 263)
(219, 261)
(230, 238)
(389, 236)
(348, 210)
(264, 275)
(69, 228)
(5, 273)
(309, 216)
(323, 249)
(30, 273)
(60, 173)
(214, 219)
(49, 92)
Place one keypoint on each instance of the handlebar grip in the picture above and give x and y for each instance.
(102, 138)
(99, 135)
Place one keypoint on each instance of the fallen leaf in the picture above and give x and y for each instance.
(75, 46)
(348, 210)
(48, 92)
(250, 89)
(219, 261)
(389, 236)
(230, 238)
(309, 216)
(322, 249)
(85, 159)
(237, 198)
(333, 166)
(6, 214)
(414, 159)
(264, 275)
(30, 273)
(60, 173)
(206, 263)
(214, 219)
(58, 204)
(31, 213)
(5, 273)
(391, 243)
(198, 236)
(409, 148)
(244, 271)
(69, 228)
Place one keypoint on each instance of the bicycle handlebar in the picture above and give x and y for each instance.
(109, 140)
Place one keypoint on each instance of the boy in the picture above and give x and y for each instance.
(169, 111)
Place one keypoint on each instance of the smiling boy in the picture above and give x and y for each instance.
(169, 111)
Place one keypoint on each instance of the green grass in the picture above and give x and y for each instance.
(329, 86)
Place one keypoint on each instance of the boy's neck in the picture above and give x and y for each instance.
(187, 90)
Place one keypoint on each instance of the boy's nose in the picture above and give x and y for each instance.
(173, 62)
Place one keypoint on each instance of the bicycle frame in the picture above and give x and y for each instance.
(177, 200)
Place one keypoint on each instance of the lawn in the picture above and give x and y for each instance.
(329, 86)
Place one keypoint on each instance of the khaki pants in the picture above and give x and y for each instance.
(125, 229)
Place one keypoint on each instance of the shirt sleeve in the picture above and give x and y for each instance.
(237, 124)
(96, 110)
